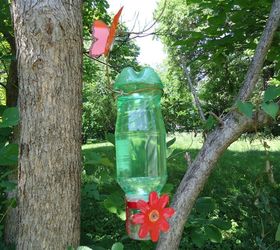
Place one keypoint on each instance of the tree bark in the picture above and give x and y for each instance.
(49, 53)
(218, 141)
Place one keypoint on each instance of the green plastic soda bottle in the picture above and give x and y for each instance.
(140, 136)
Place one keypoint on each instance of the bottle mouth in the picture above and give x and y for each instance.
(131, 209)
(136, 197)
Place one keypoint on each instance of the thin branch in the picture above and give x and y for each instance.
(157, 19)
(188, 158)
(193, 91)
(134, 24)
(221, 122)
(2, 84)
(104, 63)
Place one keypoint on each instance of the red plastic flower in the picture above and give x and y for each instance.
(153, 215)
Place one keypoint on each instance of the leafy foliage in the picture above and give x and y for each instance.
(277, 235)
(216, 41)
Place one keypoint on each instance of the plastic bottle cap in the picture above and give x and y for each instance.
(130, 80)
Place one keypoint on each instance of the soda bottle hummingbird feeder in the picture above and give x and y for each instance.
(140, 141)
(141, 152)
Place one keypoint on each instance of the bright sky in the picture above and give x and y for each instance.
(151, 50)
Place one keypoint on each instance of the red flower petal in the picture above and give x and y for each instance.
(153, 199)
(143, 206)
(154, 232)
(163, 201)
(152, 216)
(168, 212)
(138, 218)
(143, 231)
(164, 226)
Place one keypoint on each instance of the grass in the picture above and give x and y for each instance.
(238, 185)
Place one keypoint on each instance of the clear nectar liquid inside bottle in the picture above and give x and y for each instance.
(140, 137)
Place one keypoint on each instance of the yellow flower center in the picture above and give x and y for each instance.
(153, 215)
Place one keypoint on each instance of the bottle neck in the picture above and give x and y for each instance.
(136, 197)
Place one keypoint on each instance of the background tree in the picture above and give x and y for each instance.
(49, 42)
(216, 41)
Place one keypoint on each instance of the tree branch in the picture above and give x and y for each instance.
(157, 19)
(218, 141)
(252, 75)
(104, 63)
(193, 91)
(3, 85)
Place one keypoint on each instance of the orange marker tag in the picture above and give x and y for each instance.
(103, 36)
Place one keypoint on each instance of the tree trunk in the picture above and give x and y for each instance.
(217, 142)
(49, 42)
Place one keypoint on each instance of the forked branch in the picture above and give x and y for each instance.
(218, 141)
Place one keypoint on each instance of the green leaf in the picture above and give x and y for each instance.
(277, 235)
(246, 108)
(271, 109)
(170, 152)
(9, 155)
(3, 142)
(95, 247)
(106, 162)
(10, 117)
(13, 202)
(84, 248)
(122, 215)
(5, 132)
(210, 123)
(117, 246)
(217, 20)
(8, 185)
(221, 224)
(198, 238)
(92, 158)
(2, 109)
(114, 204)
(8, 57)
(90, 190)
(213, 234)
(171, 142)
(196, 35)
(205, 205)
(180, 42)
(271, 93)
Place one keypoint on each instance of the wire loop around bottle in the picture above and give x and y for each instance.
(122, 93)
